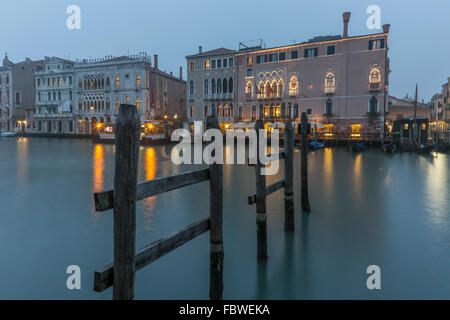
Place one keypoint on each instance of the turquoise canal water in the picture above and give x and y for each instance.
(367, 209)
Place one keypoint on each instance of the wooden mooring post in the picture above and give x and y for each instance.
(304, 164)
(289, 222)
(121, 273)
(261, 216)
(216, 234)
(128, 128)
(262, 192)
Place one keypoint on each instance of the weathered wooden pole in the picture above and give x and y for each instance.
(304, 165)
(261, 217)
(289, 223)
(216, 234)
(125, 183)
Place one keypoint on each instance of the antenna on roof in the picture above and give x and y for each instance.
(251, 45)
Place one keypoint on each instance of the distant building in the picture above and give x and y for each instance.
(211, 81)
(54, 97)
(436, 108)
(446, 100)
(101, 85)
(339, 81)
(17, 93)
(440, 107)
(403, 108)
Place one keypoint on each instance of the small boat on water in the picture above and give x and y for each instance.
(155, 132)
(105, 134)
(316, 145)
(425, 148)
(8, 134)
(389, 148)
(356, 147)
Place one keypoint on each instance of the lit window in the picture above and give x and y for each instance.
(329, 80)
(249, 88)
(138, 103)
(138, 80)
(356, 128)
(375, 76)
(117, 104)
(293, 86)
(280, 88)
(117, 83)
(59, 81)
(191, 66)
(127, 98)
(206, 64)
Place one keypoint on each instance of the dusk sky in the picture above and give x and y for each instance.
(419, 46)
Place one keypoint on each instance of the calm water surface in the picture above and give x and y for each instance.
(368, 208)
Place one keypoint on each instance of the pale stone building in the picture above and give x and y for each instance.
(101, 85)
(54, 97)
(17, 92)
(211, 78)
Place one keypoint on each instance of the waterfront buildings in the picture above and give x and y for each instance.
(54, 97)
(17, 93)
(340, 81)
(101, 85)
(440, 106)
(403, 108)
(211, 78)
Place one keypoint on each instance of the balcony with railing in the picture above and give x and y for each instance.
(374, 86)
(329, 90)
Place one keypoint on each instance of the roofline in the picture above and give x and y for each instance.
(304, 44)
(206, 54)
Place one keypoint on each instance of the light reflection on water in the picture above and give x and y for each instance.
(150, 166)
(368, 208)
(98, 168)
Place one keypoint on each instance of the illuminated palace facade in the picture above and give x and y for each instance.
(341, 83)
(101, 85)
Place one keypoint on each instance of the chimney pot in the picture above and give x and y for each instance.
(200, 49)
(386, 28)
(155, 61)
(181, 73)
(346, 18)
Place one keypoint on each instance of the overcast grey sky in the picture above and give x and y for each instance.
(419, 37)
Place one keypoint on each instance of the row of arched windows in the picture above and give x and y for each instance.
(99, 82)
(220, 111)
(218, 86)
(274, 88)
(99, 105)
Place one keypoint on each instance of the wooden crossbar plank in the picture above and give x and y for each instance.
(103, 278)
(105, 200)
(269, 190)
(281, 155)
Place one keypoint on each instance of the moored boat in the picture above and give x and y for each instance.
(8, 134)
(356, 147)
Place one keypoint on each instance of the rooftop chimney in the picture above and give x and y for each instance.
(200, 49)
(171, 73)
(346, 17)
(386, 28)
(181, 73)
(155, 61)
